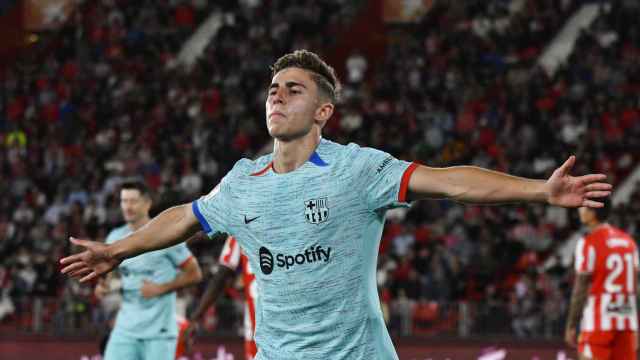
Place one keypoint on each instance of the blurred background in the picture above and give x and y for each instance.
(172, 92)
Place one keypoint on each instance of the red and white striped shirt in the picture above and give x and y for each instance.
(611, 257)
(232, 257)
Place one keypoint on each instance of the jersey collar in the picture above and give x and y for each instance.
(314, 159)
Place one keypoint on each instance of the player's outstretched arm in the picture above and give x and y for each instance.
(472, 184)
(171, 227)
(578, 299)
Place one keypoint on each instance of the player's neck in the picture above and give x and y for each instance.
(594, 225)
(138, 224)
(290, 155)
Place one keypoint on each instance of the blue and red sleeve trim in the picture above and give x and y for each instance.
(201, 219)
(404, 183)
(182, 264)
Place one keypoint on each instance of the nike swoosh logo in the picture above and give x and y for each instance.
(246, 221)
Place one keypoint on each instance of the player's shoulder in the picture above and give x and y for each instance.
(247, 167)
(118, 233)
(349, 149)
(599, 232)
(335, 157)
(608, 236)
(351, 152)
(618, 233)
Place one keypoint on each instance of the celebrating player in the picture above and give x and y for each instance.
(606, 264)
(146, 326)
(309, 217)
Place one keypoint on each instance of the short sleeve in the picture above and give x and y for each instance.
(179, 254)
(230, 255)
(112, 237)
(585, 257)
(382, 179)
(212, 209)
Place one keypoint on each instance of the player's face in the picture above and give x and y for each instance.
(134, 206)
(291, 105)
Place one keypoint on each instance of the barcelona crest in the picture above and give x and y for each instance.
(316, 211)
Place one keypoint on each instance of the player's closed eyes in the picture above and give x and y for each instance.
(292, 91)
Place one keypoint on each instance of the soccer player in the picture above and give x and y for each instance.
(146, 325)
(309, 217)
(606, 264)
(230, 259)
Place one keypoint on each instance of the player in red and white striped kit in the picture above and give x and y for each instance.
(232, 258)
(606, 264)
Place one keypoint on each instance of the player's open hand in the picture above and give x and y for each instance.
(94, 261)
(576, 191)
(150, 289)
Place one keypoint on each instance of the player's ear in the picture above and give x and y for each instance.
(323, 113)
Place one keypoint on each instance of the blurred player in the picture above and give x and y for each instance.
(183, 340)
(146, 325)
(604, 293)
(231, 258)
(310, 215)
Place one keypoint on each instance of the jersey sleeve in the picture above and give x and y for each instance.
(112, 237)
(212, 210)
(179, 254)
(230, 255)
(381, 178)
(585, 257)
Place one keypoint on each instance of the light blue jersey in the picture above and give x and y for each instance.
(142, 318)
(312, 238)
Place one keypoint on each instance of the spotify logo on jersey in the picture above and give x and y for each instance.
(266, 261)
(314, 254)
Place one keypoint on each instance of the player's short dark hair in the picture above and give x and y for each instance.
(142, 188)
(602, 214)
(323, 75)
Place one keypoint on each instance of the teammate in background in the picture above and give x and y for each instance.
(230, 259)
(605, 291)
(310, 215)
(146, 325)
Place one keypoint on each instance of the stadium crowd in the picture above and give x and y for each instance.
(106, 100)
(463, 106)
